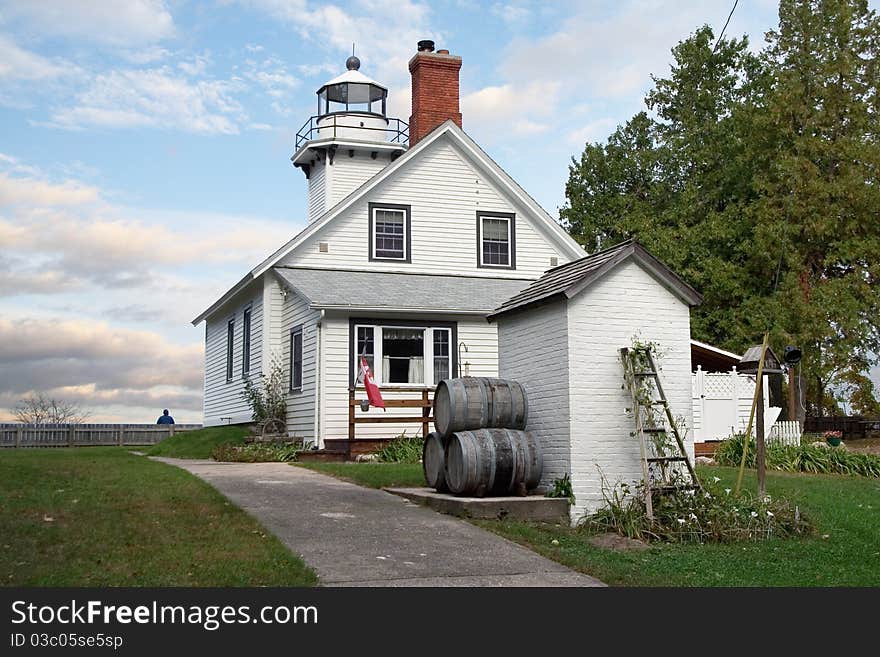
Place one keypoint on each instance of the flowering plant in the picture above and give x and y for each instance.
(832, 434)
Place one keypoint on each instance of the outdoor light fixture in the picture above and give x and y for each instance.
(792, 355)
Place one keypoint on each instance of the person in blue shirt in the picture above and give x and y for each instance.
(165, 418)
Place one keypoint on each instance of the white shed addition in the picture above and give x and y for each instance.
(561, 336)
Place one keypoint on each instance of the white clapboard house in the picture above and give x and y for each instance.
(415, 235)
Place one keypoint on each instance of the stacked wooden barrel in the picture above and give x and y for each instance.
(480, 446)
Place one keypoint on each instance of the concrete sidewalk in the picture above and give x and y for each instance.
(355, 536)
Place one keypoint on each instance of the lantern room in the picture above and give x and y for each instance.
(349, 140)
(352, 107)
(352, 92)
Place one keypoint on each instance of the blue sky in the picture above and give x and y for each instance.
(144, 161)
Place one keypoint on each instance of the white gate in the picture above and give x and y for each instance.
(722, 402)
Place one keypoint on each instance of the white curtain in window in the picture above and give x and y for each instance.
(416, 369)
(386, 369)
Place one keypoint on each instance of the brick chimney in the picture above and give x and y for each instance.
(434, 90)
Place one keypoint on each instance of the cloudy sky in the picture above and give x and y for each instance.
(144, 155)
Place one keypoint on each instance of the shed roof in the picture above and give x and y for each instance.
(371, 290)
(570, 279)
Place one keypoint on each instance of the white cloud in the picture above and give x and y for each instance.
(95, 364)
(67, 235)
(272, 76)
(129, 23)
(511, 13)
(598, 56)
(593, 131)
(523, 109)
(144, 55)
(196, 65)
(19, 64)
(154, 98)
(385, 33)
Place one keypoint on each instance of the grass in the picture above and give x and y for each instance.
(844, 552)
(100, 516)
(373, 475)
(197, 444)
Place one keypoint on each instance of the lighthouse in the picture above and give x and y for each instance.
(349, 140)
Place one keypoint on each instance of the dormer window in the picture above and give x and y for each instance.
(389, 232)
(496, 240)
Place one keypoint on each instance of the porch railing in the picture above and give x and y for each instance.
(424, 402)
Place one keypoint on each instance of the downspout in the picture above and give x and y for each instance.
(319, 380)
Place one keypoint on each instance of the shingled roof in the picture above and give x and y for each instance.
(391, 291)
(570, 279)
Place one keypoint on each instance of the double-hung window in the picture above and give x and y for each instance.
(389, 232)
(246, 342)
(496, 240)
(230, 346)
(296, 359)
(404, 355)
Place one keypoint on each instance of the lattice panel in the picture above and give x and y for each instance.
(718, 386)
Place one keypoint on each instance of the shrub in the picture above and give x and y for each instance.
(268, 398)
(562, 488)
(817, 459)
(256, 452)
(712, 515)
(403, 449)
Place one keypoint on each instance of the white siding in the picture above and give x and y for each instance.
(445, 192)
(223, 401)
(628, 302)
(477, 333)
(317, 191)
(348, 173)
(330, 183)
(534, 351)
(300, 405)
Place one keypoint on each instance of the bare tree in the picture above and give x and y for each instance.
(40, 409)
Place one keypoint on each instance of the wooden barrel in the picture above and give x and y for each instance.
(434, 462)
(469, 403)
(492, 462)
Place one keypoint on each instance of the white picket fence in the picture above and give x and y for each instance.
(13, 434)
(787, 432)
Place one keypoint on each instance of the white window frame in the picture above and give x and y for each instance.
(510, 237)
(428, 353)
(404, 212)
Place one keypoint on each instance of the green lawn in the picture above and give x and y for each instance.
(100, 516)
(197, 444)
(373, 475)
(844, 552)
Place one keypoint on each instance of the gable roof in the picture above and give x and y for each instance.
(478, 157)
(388, 291)
(570, 279)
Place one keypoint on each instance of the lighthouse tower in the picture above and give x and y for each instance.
(349, 140)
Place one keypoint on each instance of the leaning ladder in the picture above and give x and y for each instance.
(659, 459)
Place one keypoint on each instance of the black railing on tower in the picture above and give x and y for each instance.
(396, 131)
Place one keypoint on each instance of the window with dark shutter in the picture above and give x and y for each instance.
(389, 232)
(296, 359)
(496, 243)
(246, 342)
(230, 345)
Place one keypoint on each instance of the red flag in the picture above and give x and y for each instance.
(373, 393)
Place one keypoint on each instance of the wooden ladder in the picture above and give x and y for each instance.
(657, 453)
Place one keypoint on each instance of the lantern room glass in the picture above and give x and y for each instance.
(352, 97)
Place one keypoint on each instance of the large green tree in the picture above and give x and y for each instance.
(755, 176)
